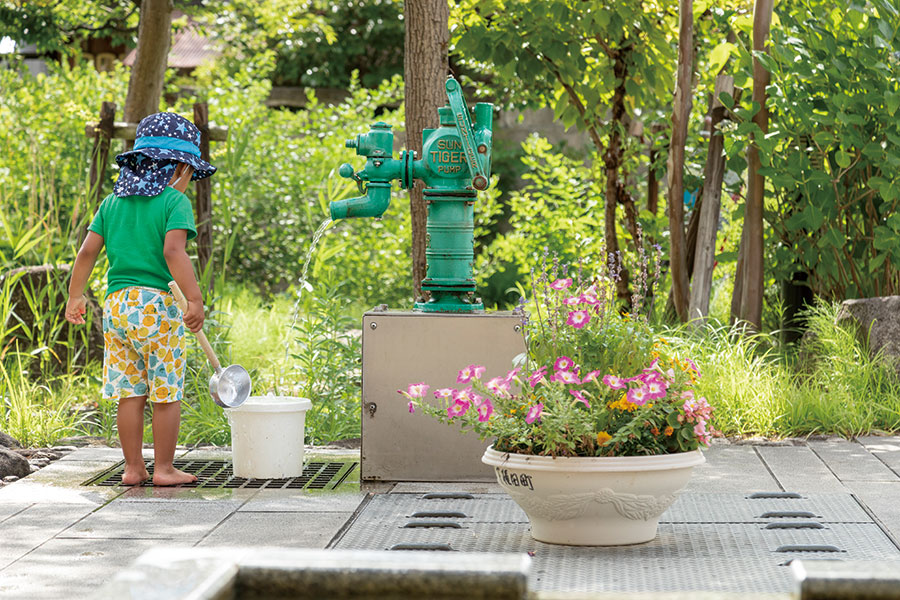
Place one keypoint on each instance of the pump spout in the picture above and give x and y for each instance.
(373, 204)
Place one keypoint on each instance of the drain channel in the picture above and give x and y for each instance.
(218, 474)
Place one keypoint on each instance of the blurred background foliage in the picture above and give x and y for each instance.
(829, 158)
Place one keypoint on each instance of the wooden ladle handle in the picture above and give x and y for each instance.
(182, 303)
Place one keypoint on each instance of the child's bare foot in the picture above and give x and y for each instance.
(171, 476)
(135, 476)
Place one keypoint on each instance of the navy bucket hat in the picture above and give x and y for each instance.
(161, 142)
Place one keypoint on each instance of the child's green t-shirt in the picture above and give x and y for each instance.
(134, 229)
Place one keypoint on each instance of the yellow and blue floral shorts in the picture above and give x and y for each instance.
(144, 345)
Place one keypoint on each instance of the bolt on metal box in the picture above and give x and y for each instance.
(403, 347)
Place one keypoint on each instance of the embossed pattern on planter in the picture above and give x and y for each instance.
(572, 506)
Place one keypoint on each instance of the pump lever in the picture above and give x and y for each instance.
(466, 133)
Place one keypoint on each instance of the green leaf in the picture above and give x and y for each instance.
(842, 159)
(891, 102)
(719, 55)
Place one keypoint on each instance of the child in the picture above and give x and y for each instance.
(144, 224)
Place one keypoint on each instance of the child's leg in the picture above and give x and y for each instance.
(130, 422)
(166, 420)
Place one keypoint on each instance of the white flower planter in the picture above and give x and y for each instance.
(593, 501)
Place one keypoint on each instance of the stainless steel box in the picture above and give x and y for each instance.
(403, 347)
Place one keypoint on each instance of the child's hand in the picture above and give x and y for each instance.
(194, 317)
(75, 309)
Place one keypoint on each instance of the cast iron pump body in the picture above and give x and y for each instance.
(455, 165)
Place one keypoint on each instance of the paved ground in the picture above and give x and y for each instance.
(59, 539)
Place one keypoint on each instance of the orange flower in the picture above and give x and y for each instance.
(654, 431)
(669, 431)
(603, 437)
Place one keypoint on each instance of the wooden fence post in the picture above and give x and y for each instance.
(710, 206)
(204, 192)
(103, 133)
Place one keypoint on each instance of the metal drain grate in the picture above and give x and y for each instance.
(711, 542)
(219, 474)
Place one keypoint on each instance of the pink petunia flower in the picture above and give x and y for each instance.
(444, 393)
(485, 410)
(464, 394)
(652, 365)
(563, 363)
(477, 371)
(465, 375)
(412, 406)
(534, 413)
(476, 399)
(537, 376)
(656, 389)
(578, 318)
(572, 301)
(499, 386)
(580, 397)
(637, 395)
(565, 377)
(590, 376)
(589, 297)
(457, 409)
(512, 374)
(417, 390)
(562, 284)
(613, 382)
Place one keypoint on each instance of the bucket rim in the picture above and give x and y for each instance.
(272, 404)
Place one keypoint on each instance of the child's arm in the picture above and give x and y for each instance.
(183, 273)
(81, 271)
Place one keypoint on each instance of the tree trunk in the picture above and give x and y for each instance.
(710, 205)
(615, 191)
(203, 195)
(149, 70)
(680, 113)
(425, 67)
(752, 289)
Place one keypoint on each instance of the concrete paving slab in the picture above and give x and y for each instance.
(183, 521)
(111, 455)
(303, 501)
(798, 469)
(27, 491)
(237, 497)
(886, 449)
(69, 568)
(10, 510)
(881, 498)
(290, 530)
(731, 469)
(424, 487)
(70, 473)
(28, 529)
(851, 461)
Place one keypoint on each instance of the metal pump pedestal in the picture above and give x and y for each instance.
(451, 329)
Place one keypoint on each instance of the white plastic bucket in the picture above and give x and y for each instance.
(267, 434)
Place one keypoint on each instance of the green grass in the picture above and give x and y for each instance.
(827, 385)
(759, 387)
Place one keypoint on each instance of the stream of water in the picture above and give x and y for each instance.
(302, 283)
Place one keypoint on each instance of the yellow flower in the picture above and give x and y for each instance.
(668, 431)
(603, 437)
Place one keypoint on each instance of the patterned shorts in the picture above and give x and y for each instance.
(143, 350)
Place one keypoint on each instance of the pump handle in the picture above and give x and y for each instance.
(466, 133)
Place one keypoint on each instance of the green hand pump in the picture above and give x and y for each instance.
(455, 165)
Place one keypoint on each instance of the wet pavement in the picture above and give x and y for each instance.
(62, 539)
